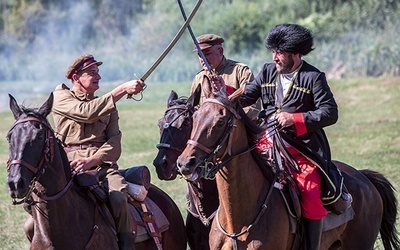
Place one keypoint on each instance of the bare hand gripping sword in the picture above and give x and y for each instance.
(171, 44)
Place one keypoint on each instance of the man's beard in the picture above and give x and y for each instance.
(285, 68)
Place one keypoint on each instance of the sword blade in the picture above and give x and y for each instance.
(194, 38)
(173, 42)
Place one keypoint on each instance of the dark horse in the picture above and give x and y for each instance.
(202, 195)
(252, 213)
(64, 215)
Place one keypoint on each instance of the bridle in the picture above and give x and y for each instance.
(40, 169)
(187, 111)
(211, 163)
(211, 167)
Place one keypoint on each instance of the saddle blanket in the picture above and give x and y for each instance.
(160, 220)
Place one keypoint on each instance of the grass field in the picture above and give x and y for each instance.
(367, 135)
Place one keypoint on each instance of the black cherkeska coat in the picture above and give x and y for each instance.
(309, 95)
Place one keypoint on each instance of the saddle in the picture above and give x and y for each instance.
(150, 221)
(339, 212)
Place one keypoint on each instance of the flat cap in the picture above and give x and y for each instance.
(82, 62)
(208, 40)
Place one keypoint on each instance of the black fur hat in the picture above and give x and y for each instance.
(291, 38)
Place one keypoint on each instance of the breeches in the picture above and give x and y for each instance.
(309, 183)
(308, 180)
(118, 199)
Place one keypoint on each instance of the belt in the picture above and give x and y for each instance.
(82, 146)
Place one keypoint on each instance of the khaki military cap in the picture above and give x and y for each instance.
(82, 62)
(208, 40)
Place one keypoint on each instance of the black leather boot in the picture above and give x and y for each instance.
(126, 241)
(313, 232)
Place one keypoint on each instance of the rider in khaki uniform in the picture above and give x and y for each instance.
(88, 127)
(233, 73)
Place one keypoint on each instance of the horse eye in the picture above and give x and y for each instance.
(40, 134)
(37, 125)
(221, 122)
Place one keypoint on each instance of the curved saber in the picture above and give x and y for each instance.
(171, 44)
(194, 38)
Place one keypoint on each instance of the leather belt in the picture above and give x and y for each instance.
(82, 146)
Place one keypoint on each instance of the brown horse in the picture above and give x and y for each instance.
(64, 215)
(175, 128)
(252, 213)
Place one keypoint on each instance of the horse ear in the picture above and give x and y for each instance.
(47, 105)
(15, 109)
(234, 97)
(194, 98)
(172, 96)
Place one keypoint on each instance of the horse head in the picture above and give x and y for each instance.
(175, 128)
(28, 141)
(211, 139)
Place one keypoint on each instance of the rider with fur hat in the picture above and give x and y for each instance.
(296, 95)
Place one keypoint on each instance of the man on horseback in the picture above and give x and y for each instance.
(232, 72)
(88, 127)
(295, 95)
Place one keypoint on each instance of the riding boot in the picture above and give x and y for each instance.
(126, 241)
(313, 232)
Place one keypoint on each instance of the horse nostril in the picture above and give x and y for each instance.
(21, 184)
(11, 186)
(160, 161)
(192, 161)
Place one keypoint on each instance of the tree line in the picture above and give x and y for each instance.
(38, 38)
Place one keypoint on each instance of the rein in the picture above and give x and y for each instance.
(167, 125)
(40, 169)
(264, 206)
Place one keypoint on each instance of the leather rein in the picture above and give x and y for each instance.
(40, 169)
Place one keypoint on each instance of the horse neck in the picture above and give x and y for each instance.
(57, 171)
(71, 208)
(240, 185)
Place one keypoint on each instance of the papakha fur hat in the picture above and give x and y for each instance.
(291, 38)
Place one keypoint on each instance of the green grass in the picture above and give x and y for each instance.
(367, 135)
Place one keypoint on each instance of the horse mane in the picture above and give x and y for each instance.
(180, 101)
(253, 131)
(32, 112)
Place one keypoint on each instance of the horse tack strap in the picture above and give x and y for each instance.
(56, 196)
(95, 227)
(148, 221)
(21, 162)
(198, 145)
(234, 236)
(193, 195)
(166, 145)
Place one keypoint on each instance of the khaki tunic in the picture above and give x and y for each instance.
(79, 120)
(235, 74)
